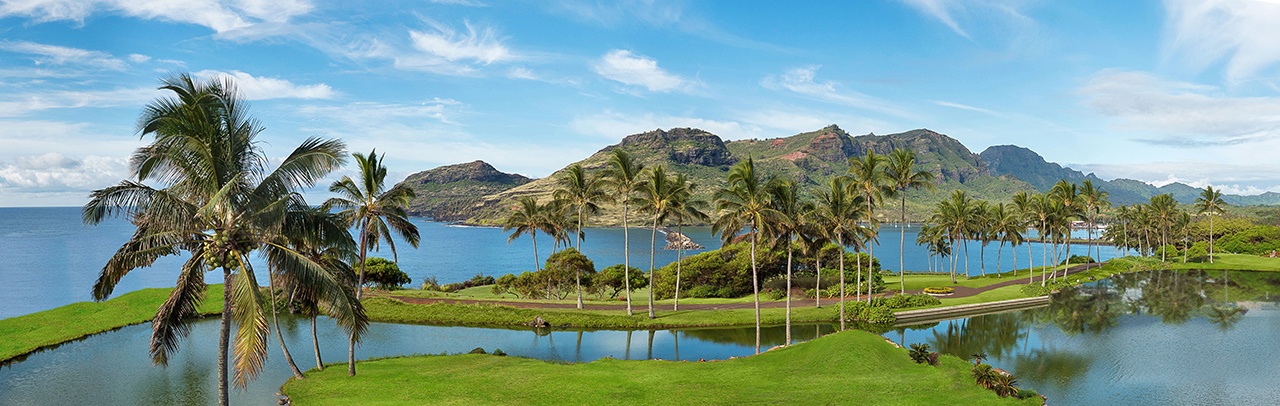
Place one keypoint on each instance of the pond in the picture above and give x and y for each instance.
(1195, 337)
(114, 369)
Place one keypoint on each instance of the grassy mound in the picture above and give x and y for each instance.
(852, 367)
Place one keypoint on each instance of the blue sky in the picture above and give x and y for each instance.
(1150, 90)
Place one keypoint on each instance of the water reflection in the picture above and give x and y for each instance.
(1153, 338)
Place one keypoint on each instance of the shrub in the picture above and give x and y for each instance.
(984, 375)
(1005, 385)
(1078, 259)
(1026, 393)
(919, 352)
(384, 273)
(944, 290)
(1198, 251)
(477, 350)
(863, 312)
(430, 283)
(611, 280)
(905, 301)
(498, 352)
(774, 294)
(933, 358)
(700, 291)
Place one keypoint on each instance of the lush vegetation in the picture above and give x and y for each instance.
(385, 274)
(846, 368)
(24, 334)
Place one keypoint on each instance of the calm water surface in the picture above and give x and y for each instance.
(52, 259)
(1194, 338)
(114, 368)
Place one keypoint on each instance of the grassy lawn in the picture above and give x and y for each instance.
(639, 297)
(24, 334)
(994, 295)
(852, 367)
(1229, 262)
(393, 311)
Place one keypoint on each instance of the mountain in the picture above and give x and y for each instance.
(449, 193)
(809, 158)
(1030, 167)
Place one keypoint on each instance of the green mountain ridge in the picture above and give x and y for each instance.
(476, 193)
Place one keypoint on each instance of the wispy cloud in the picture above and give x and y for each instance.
(445, 50)
(20, 104)
(55, 172)
(1239, 33)
(950, 12)
(801, 81)
(364, 112)
(940, 10)
(1182, 114)
(45, 54)
(222, 16)
(263, 88)
(625, 67)
(613, 125)
(960, 106)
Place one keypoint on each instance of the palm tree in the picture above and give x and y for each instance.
(658, 198)
(1069, 194)
(686, 208)
(376, 211)
(1094, 199)
(1023, 205)
(527, 217)
(867, 177)
(785, 226)
(1163, 212)
(583, 193)
(216, 201)
(744, 203)
(903, 176)
(1210, 203)
(1007, 227)
(323, 238)
(955, 216)
(622, 177)
(836, 216)
(982, 232)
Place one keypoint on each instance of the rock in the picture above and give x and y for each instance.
(677, 241)
(538, 322)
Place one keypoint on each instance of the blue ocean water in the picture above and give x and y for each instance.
(52, 259)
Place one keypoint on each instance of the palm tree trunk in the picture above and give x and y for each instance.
(817, 287)
(364, 249)
(679, 258)
(902, 246)
(998, 253)
(857, 296)
(755, 283)
(271, 287)
(871, 252)
(1210, 238)
(223, 337)
(840, 240)
(952, 261)
(315, 343)
(788, 292)
(577, 275)
(982, 260)
(966, 258)
(626, 257)
(537, 265)
(653, 249)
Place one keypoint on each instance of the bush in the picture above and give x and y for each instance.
(1027, 393)
(774, 294)
(384, 273)
(863, 312)
(477, 350)
(611, 280)
(430, 283)
(945, 290)
(905, 301)
(1078, 259)
(919, 352)
(498, 352)
(1198, 252)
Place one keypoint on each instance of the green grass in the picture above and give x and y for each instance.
(24, 334)
(1229, 262)
(394, 311)
(852, 367)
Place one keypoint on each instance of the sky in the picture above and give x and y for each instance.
(1159, 91)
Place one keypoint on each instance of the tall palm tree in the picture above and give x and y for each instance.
(622, 178)
(981, 231)
(584, 193)
(369, 206)
(322, 237)
(215, 200)
(1069, 194)
(1007, 226)
(867, 177)
(527, 217)
(686, 208)
(744, 203)
(836, 215)
(786, 225)
(903, 176)
(1095, 200)
(1163, 211)
(658, 198)
(1210, 203)
(955, 216)
(1023, 205)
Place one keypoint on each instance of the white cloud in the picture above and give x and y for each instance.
(638, 70)
(522, 73)
(55, 172)
(20, 104)
(355, 114)
(139, 58)
(263, 88)
(59, 55)
(1239, 33)
(441, 49)
(614, 126)
(1181, 113)
(1004, 15)
(940, 10)
(222, 16)
(960, 106)
(801, 81)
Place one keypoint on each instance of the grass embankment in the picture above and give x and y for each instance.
(394, 311)
(24, 334)
(852, 367)
(1227, 262)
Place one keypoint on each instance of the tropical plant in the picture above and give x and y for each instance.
(658, 198)
(687, 208)
(984, 375)
(1006, 226)
(744, 203)
(369, 206)
(903, 176)
(867, 177)
(1095, 200)
(919, 352)
(1210, 203)
(385, 274)
(622, 178)
(527, 217)
(785, 226)
(216, 201)
(835, 217)
(584, 194)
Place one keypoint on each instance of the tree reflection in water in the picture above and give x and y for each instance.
(1174, 297)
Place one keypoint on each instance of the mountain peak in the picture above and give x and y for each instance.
(688, 146)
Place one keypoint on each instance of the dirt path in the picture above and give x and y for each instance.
(638, 306)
